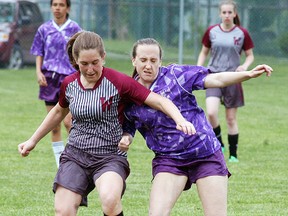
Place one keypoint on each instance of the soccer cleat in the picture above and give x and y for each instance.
(233, 159)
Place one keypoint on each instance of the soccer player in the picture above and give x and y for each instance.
(180, 160)
(226, 42)
(52, 63)
(95, 96)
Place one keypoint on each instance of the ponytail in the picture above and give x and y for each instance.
(69, 49)
(236, 20)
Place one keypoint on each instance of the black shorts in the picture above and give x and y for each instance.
(79, 170)
(231, 96)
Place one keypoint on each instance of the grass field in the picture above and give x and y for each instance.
(258, 185)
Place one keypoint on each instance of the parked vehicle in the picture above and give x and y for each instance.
(19, 21)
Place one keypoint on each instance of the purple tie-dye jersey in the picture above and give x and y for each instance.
(50, 42)
(175, 82)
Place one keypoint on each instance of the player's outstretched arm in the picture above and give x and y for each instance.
(223, 79)
(53, 118)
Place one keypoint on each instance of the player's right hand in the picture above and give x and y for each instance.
(25, 148)
(41, 79)
(260, 69)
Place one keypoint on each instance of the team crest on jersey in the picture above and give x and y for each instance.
(106, 104)
(237, 41)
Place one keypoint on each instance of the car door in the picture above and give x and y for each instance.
(30, 19)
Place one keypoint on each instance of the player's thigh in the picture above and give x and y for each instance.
(166, 189)
(212, 191)
(212, 105)
(66, 201)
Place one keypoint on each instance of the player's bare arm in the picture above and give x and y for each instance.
(53, 118)
(216, 80)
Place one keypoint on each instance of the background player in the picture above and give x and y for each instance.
(226, 42)
(52, 62)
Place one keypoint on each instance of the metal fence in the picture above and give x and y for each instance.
(266, 20)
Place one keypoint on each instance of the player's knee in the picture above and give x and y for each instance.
(56, 130)
(159, 212)
(213, 118)
(111, 204)
(62, 209)
(231, 122)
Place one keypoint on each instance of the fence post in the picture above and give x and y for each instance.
(181, 20)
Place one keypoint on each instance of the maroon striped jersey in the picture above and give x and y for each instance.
(97, 113)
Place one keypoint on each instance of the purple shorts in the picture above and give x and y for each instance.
(213, 165)
(231, 96)
(51, 92)
(79, 170)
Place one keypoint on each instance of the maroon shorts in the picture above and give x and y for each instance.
(213, 165)
(231, 96)
(79, 170)
(50, 93)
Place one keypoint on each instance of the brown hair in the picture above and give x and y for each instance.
(83, 40)
(144, 41)
(236, 19)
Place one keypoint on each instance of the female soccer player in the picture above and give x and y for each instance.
(226, 42)
(180, 160)
(95, 96)
(52, 63)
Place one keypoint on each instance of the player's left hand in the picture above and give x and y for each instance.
(260, 69)
(186, 127)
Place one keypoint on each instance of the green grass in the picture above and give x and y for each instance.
(124, 49)
(258, 185)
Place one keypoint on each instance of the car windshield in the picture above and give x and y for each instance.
(6, 12)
